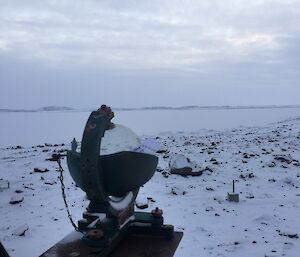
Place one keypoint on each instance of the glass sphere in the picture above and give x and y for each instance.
(118, 139)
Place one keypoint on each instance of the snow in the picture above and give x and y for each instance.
(263, 161)
(121, 203)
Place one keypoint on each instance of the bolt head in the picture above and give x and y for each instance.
(95, 234)
(157, 213)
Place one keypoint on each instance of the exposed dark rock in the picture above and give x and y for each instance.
(287, 234)
(141, 205)
(40, 170)
(16, 199)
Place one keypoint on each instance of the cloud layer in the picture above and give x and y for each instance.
(237, 40)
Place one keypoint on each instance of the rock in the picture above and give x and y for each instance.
(187, 172)
(50, 183)
(165, 174)
(16, 199)
(179, 161)
(271, 164)
(162, 151)
(151, 145)
(150, 199)
(250, 175)
(295, 162)
(55, 157)
(40, 170)
(20, 231)
(178, 191)
(249, 196)
(181, 165)
(287, 234)
(289, 181)
(209, 208)
(141, 204)
(181, 171)
(4, 184)
(286, 158)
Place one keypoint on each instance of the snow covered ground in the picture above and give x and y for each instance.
(263, 161)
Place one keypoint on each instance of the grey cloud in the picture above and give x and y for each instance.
(190, 46)
(171, 28)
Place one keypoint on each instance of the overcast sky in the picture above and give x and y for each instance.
(147, 53)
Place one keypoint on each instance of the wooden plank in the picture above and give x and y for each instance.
(147, 246)
(130, 246)
(3, 252)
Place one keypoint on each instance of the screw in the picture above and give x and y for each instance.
(157, 213)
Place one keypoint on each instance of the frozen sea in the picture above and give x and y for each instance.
(30, 128)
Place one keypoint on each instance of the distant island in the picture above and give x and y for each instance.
(55, 108)
(42, 109)
(155, 108)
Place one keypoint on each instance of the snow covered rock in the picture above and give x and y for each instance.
(181, 165)
(16, 199)
(178, 191)
(287, 234)
(20, 231)
(141, 203)
(149, 145)
(4, 184)
(289, 181)
(179, 161)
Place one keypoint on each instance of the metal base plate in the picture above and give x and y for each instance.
(130, 246)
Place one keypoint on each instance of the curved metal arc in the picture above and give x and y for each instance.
(90, 150)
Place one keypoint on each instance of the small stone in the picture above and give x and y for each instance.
(141, 204)
(40, 170)
(4, 184)
(151, 199)
(16, 199)
(178, 191)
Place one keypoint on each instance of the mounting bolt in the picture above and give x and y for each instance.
(95, 234)
(157, 213)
